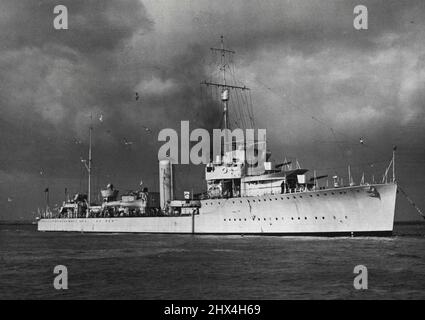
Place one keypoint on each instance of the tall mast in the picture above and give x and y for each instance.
(225, 93)
(224, 86)
(90, 159)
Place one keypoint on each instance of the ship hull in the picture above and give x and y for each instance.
(350, 211)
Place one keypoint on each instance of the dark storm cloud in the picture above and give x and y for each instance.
(94, 25)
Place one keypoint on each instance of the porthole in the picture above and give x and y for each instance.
(224, 219)
(245, 219)
(271, 199)
(294, 197)
(234, 219)
(241, 201)
(346, 217)
(281, 198)
(264, 219)
(325, 194)
(292, 218)
(333, 193)
(240, 219)
(258, 219)
(305, 218)
(277, 219)
(299, 218)
(287, 198)
(301, 196)
(265, 199)
(311, 195)
(315, 218)
(323, 218)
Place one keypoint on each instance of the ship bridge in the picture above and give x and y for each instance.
(230, 176)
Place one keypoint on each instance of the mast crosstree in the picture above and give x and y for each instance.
(224, 86)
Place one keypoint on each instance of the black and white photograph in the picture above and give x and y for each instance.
(196, 151)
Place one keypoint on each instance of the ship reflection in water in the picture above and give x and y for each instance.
(155, 266)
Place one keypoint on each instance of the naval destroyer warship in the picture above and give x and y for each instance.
(240, 199)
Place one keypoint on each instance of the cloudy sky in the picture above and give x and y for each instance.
(318, 85)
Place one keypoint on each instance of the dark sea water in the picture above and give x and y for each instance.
(139, 266)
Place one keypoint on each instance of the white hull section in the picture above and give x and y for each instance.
(351, 210)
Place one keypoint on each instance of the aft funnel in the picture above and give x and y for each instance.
(166, 190)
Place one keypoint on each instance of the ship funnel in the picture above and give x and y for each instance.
(166, 191)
